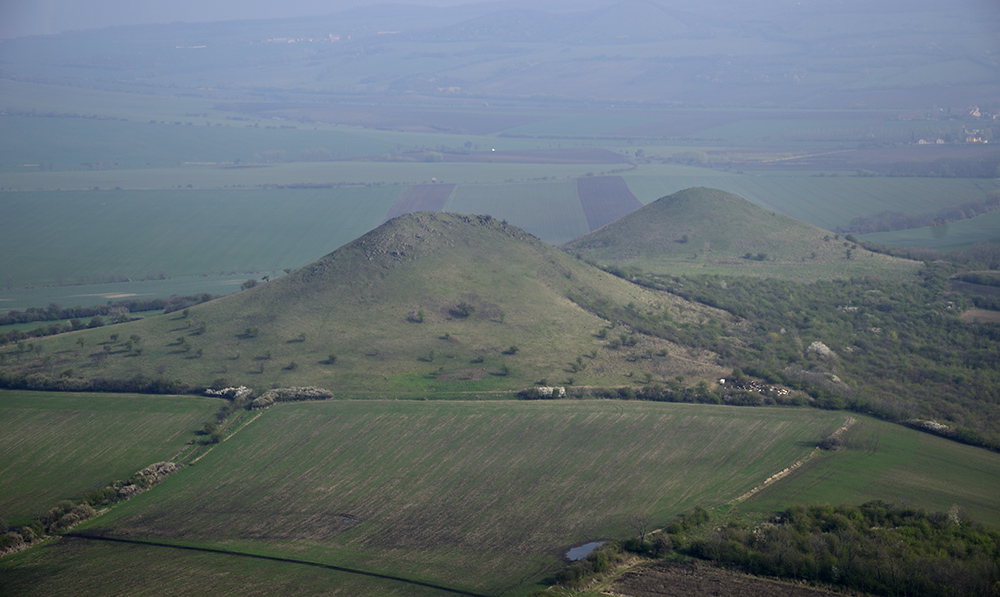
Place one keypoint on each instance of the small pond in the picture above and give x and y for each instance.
(578, 553)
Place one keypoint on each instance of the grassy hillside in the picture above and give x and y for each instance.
(424, 303)
(701, 230)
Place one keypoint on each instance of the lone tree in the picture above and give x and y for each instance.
(640, 523)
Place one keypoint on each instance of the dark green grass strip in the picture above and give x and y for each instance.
(276, 559)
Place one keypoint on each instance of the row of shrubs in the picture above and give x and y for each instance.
(117, 312)
(699, 394)
(55, 313)
(67, 513)
(12, 380)
(289, 395)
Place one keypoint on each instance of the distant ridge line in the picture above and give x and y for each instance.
(275, 559)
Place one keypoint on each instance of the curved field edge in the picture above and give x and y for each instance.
(60, 445)
(484, 497)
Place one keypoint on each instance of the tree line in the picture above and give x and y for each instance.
(56, 313)
(888, 221)
(116, 312)
(68, 513)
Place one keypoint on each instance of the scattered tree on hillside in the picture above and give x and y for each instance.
(463, 309)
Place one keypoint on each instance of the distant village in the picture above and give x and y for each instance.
(968, 135)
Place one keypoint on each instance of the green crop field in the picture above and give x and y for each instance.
(955, 235)
(83, 567)
(109, 103)
(842, 129)
(293, 174)
(883, 461)
(80, 144)
(60, 446)
(86, 295)
(483, 496)
(579, 125)
(60, 238)
(548, 209)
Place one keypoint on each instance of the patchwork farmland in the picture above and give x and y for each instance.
(208, 158)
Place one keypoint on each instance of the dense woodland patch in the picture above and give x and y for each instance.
(895, 349)
(877, 548)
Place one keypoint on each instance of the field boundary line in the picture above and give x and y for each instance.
(275, 559)
(227, 438)
(788, 470)
(808, 155)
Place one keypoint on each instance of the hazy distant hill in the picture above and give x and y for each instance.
(788, 54)
(702, 230)
(627, 22)
(424, 302)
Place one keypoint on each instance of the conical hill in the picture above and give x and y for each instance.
(425, 303)
(702, 230)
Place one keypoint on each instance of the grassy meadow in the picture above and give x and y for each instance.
(481, 496)
(61, 445)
